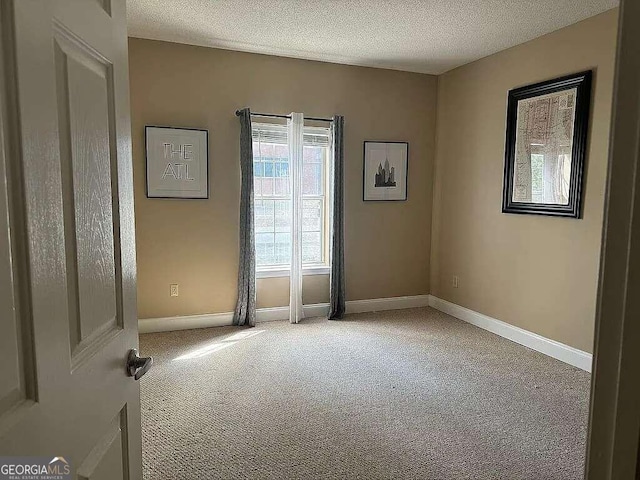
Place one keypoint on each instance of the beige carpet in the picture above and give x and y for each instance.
(410, 394)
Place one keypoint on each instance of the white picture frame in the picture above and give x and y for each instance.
(385, 171)
(177, 162)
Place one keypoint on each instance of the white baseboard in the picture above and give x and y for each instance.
(165, 324)
(392, 303)
(554, 349)
(186, 322)
(282, 313)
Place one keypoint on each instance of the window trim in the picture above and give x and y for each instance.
(320, 268)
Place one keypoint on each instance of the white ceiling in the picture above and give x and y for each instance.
(427, 36)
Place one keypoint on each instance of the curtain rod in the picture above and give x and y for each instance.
(273, 115)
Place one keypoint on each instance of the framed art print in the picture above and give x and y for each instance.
(385, 171)
(177, 162)
(546, 144)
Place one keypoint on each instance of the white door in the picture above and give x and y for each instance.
(614, 427)
(67, 246)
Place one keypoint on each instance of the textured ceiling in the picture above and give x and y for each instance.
(428, 36)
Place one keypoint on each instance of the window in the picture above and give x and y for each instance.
(272, 197)
(537, 178)
(550, 179)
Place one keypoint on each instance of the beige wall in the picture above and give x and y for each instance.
(538, 273)
(535, 272)
(195, 242)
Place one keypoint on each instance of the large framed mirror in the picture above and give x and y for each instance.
(546, 143)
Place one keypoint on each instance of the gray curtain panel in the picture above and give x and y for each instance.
(336, 293)
(245, 313)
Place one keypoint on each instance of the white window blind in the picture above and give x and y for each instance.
(272, 133)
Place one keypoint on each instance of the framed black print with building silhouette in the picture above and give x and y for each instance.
(385, 171)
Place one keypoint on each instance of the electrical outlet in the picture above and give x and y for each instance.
(174, 289)
(456, 281)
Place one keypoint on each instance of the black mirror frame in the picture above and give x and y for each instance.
(581, 81)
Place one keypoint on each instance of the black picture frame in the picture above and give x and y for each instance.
(146, 163)
(582, 82)
(364, 178)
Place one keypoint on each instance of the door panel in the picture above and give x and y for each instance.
(14, 354)
(84, 93)
(107, 460)
(17, 375)
(69, 254)
(106, 5)
(11, 376)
